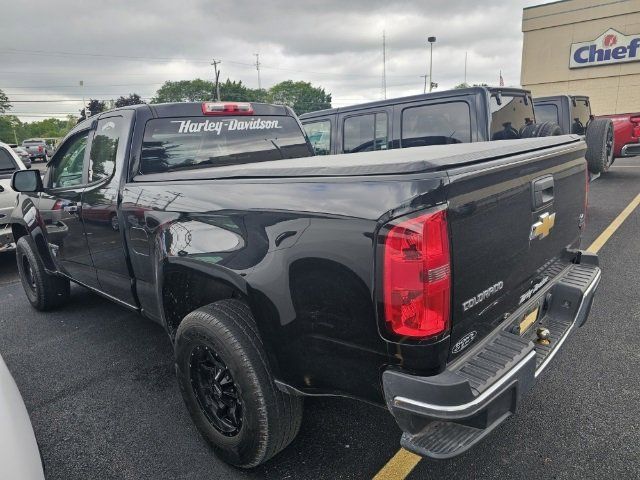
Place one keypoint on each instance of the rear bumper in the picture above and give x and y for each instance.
(630, 150)
(444, 415)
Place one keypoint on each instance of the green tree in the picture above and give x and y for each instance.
(466, 85)
(185, 91)
(132, 99)
(4, 102)
(301, 96)
(10, 129)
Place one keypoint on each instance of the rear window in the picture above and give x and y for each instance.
(186, 143)
(580, 117)
(436, 124)
(7, 163)
(547, 113)
(509, 115)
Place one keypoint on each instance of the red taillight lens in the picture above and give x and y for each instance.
(227, 108)
(39, 148)
(417, 276)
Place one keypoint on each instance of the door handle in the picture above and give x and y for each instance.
(542, 191)
(71, 208)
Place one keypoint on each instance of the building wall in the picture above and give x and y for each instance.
(549, 30)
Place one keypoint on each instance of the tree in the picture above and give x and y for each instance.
(132, 99)
(185, 91)
(301, 96)
(96, 107)
(4, 102)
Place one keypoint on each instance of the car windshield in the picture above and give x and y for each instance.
(509, 115)
(187, 143)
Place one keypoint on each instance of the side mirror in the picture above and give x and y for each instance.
(28, 181)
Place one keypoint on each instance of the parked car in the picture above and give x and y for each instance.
(22, 153)
(438, 281)
(626, 134)
(466, 115)
(9, 163)
(19, 453)
(573, 114)
(37, 148)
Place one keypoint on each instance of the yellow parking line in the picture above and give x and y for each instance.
(399, 466)
(613, 226)
(403, 462)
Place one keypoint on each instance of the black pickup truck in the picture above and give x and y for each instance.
(437, 281)
(475, 114)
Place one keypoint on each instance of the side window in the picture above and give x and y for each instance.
(319, 134)
(7, 163)
(69, 162)
(104, 148)
(365, 133)
(547, 113)
(436, 124)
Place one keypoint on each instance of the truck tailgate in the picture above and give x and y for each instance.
(512, 225)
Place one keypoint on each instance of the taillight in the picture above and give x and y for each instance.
(636, 126)
(417, 276)
(227, 108)
(39, 148)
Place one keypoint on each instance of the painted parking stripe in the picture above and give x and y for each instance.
(403, 462)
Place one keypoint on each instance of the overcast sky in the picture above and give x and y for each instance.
(119, 47)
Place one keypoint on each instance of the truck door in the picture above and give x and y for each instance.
(60, 208)
(100, 205)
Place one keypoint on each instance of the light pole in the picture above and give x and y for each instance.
(431, 41)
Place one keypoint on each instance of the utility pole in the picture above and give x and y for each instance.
(84, 105)
(431, 41)
(384, 64)
(257, 55)
(215, 64)
(465, 67)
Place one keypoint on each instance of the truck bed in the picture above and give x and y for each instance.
(390, 162)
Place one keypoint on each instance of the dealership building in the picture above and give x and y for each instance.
(589, 47)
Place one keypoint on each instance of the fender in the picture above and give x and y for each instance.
(26, 217)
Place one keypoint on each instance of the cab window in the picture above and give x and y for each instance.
(319, 134)
(365, 133)
(436, 124)
(69, 162)
(547, 113)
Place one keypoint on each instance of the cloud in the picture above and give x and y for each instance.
(119, 47)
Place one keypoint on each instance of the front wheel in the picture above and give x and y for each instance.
(227, 385)
(44, 291)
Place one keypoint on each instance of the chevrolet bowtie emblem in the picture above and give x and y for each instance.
(543, 226)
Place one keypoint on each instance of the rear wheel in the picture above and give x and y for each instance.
(228, 387)
(599, 139)
(44, 291)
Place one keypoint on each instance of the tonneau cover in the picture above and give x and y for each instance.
(386, 162)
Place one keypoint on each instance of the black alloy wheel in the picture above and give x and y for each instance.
(215, 390)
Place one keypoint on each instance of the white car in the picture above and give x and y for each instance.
(19, 453)
(9, 163)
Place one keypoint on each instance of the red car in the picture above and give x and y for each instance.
(626, 131)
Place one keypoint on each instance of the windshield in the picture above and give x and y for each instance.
(186, 143)
(509, 115)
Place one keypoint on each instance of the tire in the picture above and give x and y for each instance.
(220, 341)
(544, 129)
(599, 139)
(44, 291)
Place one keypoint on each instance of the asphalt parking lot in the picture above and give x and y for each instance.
(98, 382)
